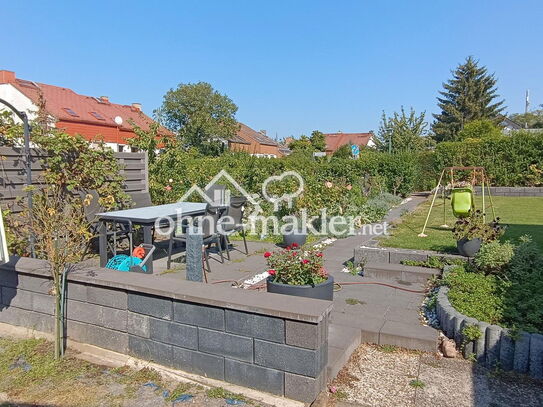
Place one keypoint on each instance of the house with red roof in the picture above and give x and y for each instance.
(255, 143)
(336, 140)
(90, 116)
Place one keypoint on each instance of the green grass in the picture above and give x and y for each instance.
(522, 215)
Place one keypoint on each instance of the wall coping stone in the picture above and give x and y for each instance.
(277, 305)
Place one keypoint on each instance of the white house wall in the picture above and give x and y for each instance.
(21, 102)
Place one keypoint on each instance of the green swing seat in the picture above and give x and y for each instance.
(462, 202)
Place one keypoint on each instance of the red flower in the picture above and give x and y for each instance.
(168, 188)
(288, 248)
(319, 255)
(305, 261)
(272, 272)
(267, 254)
(294, 245)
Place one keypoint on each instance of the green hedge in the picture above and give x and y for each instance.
(508, 160)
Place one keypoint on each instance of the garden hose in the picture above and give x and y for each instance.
(237, 284)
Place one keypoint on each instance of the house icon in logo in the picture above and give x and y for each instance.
(213, 193)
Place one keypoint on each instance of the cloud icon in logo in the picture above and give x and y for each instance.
(288, 198)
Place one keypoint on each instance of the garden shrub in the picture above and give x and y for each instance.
(476, 295)
(493, 257)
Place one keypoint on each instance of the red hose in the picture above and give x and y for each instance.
(259, 286)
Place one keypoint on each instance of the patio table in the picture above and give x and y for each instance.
(146, 217)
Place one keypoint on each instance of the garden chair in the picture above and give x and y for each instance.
(140, 199)
(217, 194)
(207, 226)
(235, 224)
(119, 230)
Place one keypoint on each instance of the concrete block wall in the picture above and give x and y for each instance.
(497, 346)
(395, 256)
(264, 341)
(512, 191)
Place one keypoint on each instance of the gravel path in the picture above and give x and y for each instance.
(388, 377)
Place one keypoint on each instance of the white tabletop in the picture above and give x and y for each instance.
(149, 214)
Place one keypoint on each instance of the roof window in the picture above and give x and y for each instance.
(97, 115)
(70, 112)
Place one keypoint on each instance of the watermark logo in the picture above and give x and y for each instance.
(228, 218)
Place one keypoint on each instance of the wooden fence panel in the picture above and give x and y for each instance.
(134, 169)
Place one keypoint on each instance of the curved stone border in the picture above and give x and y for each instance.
(495, 347)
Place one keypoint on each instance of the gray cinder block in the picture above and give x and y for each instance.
(255, 326)
(288, 358)
(43, 303)
(306, 335)
(225, 344)
(76, 291)
(493, 339)
(507, 350)
(199, 315)
(536, 356)
(480, 344)
(303, 388)
(150, 305)
(98, 336)
(150, 350)
(200, 363)
(522, 353)
(107, 297)
(469, 347)
(114, 318)
(397, 256)
(138, 325)
(256, 377)
(185, 336)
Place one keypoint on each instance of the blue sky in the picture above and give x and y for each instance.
(290, 66)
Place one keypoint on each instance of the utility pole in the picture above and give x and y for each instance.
(526, 107)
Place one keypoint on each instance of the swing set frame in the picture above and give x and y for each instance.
(476, 173)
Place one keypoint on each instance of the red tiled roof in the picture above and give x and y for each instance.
(248, 134)
(336, 140)
(66, 105)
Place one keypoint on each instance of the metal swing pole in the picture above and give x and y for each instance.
(421, 234)
(483, 193)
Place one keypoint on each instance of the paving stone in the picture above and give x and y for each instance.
(150, 305)
(199, 315)
(138, 325)
(255, 326)
(150, 350)
(107, 297)
(303, 388)
(288, 358)
(256, 377)
(225, 344)
(184, 336)
(369, 327)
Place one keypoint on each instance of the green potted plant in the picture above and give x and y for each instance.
(299, 271)
(472, 231)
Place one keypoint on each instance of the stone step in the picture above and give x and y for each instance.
(399, 272)
(409, 336)
(342, 342)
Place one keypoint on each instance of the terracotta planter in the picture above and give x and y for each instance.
(468, 248)
(322, 291)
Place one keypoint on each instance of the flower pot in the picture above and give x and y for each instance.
(322, 291)
(468, 248)
(293, 236)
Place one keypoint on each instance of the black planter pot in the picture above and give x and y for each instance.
(322, 291)
(468, 248)
(294, 236)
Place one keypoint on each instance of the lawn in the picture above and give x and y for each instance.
(521, 215)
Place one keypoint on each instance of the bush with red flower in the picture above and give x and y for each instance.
(296, 266)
